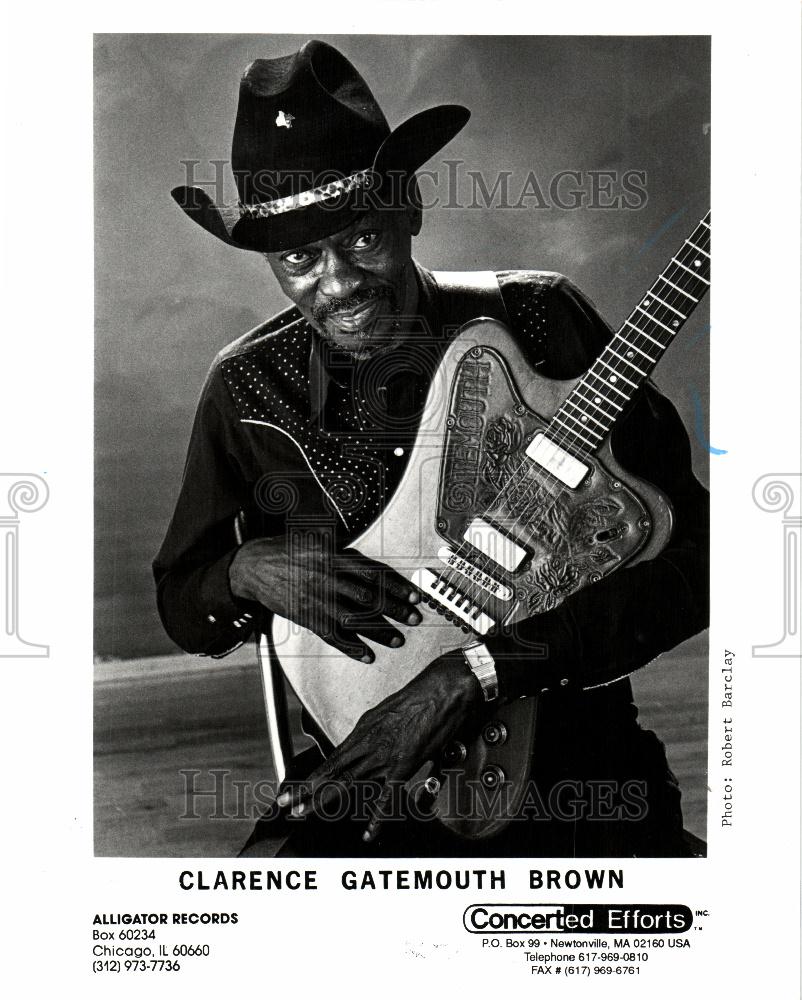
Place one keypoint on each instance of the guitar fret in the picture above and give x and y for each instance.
(677, 288)
(690, 270)
(607, 384)
(583, 385)
(705, 224)
(695, 247)
(688, 257)
(654, 320)
(640, 351)
(644, 334)
(696, 238)
(570, 416)
(571, 430)
(585, 416)
(617, 374)
(628, 362)
(623, 348)
(666, 304)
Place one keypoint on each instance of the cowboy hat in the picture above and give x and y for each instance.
(311, 150)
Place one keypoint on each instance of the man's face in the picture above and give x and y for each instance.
(355, 286)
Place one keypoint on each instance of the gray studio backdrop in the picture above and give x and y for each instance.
(169, 296)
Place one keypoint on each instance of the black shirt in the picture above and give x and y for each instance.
(285, 428)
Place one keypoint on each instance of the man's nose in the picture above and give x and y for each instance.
(339, 278)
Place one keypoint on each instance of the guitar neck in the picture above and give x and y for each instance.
(587, 416)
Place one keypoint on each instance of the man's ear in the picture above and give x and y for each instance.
(415, 219)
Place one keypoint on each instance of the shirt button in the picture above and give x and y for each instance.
(211, 619)
(398, 452)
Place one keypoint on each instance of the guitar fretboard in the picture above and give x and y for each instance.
(598, 399)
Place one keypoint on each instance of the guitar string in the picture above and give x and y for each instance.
(540, 491)
(560, 436)
(628, 341)
(531, 491)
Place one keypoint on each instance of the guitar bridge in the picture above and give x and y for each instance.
(474, 574)
(452, 601)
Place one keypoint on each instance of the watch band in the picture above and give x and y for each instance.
(483, 667)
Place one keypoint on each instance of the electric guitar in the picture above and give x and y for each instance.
(512, 500)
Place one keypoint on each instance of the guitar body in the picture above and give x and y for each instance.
(484, 407)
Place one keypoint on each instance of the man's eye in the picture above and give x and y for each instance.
(297, 257)
(364, 240)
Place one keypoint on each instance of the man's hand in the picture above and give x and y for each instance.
(338, 596)
(393, 740)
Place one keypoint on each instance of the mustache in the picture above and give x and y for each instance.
(321, 313)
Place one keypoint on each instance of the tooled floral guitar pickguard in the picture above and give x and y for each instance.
(525, 464)
(573, 537)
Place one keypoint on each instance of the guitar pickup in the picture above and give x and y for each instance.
(452, 600)
(494, 544)
(556, 460)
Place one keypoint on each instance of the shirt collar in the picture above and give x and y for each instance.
(326, 366)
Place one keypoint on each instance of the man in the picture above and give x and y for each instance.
(308, 420)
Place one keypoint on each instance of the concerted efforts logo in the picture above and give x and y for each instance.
(577, 918)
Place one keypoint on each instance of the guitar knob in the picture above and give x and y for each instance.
(495, 734)
(492, 776)
(455, 753)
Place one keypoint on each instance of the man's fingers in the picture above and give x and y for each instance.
(325, 786)
(379, 631)
(361, 592)
(293, 797)
(347, 642)
(374, 628)
(367, 603)
(367, 595)
(390, 582)
(400, 612)
(331, 791)
(379, 810)
(298, 794)
(405, 591)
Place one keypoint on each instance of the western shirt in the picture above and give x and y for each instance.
(289, 432)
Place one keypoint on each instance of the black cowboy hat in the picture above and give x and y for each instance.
(311, 150)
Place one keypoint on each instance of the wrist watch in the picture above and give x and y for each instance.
(483, 668)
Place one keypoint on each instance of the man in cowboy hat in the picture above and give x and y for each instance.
(309, 418)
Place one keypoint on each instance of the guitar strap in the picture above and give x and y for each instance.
(465, 295)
